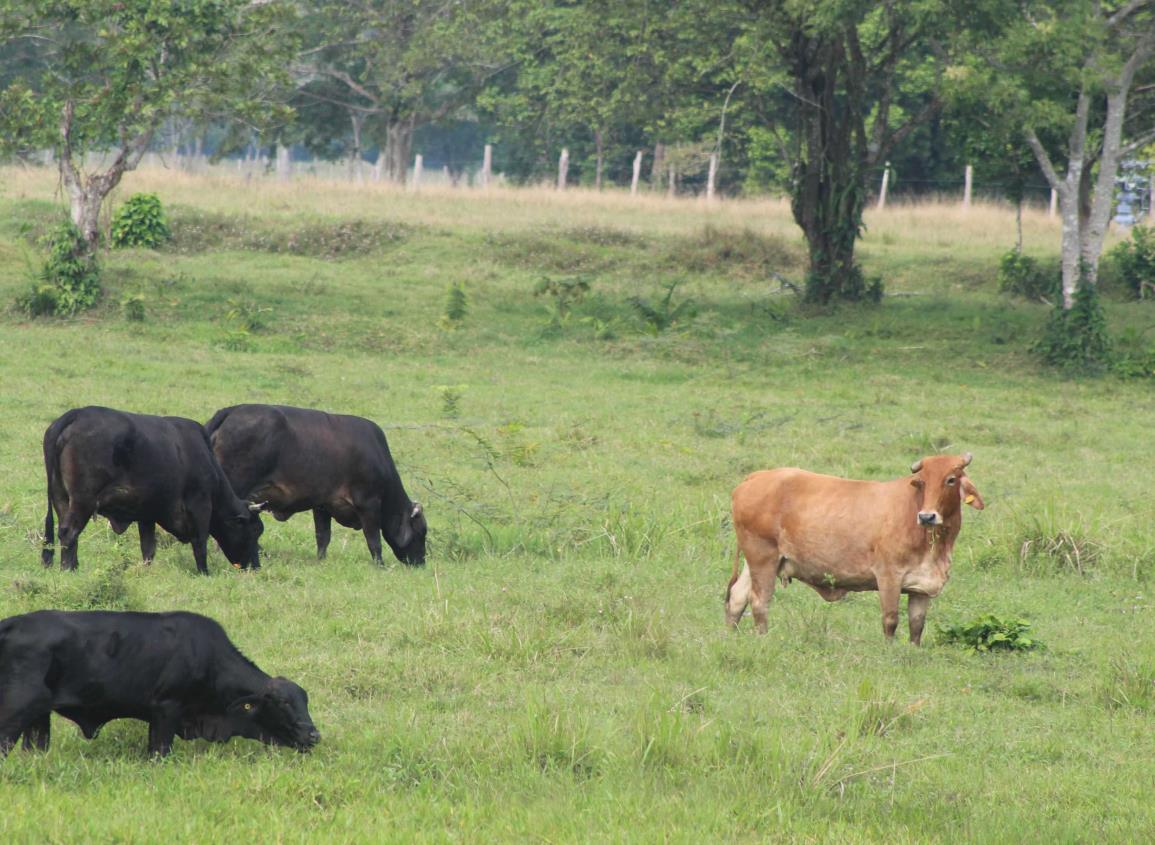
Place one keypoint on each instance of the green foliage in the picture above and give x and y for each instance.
(196, 231)
(133, 306)
(665, 313)
(69, 280)
(563, 295)
(1134, 261)
(247, 314)
(1075, 340)
(139, 222)
(1022, 275)
(990, 633)
(456, 305)
(1134, 355)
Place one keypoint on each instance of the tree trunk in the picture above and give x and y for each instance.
(86, 193)
(829, 182)
(357, 120)
(398, 145)
(600, 159)
(658, 166)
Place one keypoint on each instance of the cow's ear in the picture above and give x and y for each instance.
(970, 494)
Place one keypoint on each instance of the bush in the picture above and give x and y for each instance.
(1133, 261)
(68, 281)
(990, 633)
(140, 222)
(1075, 339)
(1021, 275)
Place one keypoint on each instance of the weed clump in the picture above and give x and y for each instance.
(140, 222)
(742, 252)
(1075, 339)
(197, 231)
(1133, 261)
(990, 633)
(69, 279)
(1021, 275)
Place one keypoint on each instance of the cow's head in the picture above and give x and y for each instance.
(277, 715)
(943, 488)
(238, 532)
(408, 540)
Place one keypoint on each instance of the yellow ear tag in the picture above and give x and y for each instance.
(969, 499)
(248, 706)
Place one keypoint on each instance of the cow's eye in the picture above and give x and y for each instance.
(950, 481)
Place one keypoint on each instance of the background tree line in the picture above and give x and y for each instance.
(805, 97)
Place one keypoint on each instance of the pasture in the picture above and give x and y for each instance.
(559, 671)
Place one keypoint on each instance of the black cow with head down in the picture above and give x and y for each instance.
(177, 671)
(143, 469)
(338, 466)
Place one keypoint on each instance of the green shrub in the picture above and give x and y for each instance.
(1133, 261)
(69, 279)
(456, 305)
(1075, 339)
(133, 307)
(664, 314)
(1134, 355)
(1021, 275)
(140, 222)
(990, 633)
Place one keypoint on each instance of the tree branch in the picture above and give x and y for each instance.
(1044, 160)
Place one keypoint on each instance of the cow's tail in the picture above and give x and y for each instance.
(51, 470)
(734, 574)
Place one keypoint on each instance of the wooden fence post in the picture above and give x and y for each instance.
(562, 168)
(637, 174)
(968, 178)
(885, 183)
(711, 176)
(284, 164)
(672, 188)
(487, 165)
(1054, 203)
(418, 166)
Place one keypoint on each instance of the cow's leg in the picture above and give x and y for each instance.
(71, 525)
(370, 515)
(916, 606)
(323, 527)
(762, 580)
(24, 706)
(162, 728)
(889, 590)
(200, 549)
(147, 540)
(36, 735)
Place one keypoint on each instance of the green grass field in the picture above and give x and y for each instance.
(559, 672)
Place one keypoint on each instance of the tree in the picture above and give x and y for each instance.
(842, 83)
(101, 76)
(1064, 73)
(393, 67)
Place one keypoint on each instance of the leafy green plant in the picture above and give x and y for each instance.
(1134, 261)
(563, 295)
(1021, 275)
(247, 315)
(140, 222)
(664, 314)
(456, 306)
(133, 307)
(990, 633)
(69, 279)
(1134, 355)
(1075, 340)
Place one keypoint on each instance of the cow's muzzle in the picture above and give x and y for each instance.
(928, 518)
(306, 742)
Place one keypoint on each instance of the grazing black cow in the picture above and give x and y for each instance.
(177, 671)
(144, 469)
(338, 466)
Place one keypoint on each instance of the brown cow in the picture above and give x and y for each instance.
(838, 535)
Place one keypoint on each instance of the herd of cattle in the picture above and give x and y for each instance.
(179, 671)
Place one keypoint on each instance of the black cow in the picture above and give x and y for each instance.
(294, 459)
(144, 469)
(177, 671)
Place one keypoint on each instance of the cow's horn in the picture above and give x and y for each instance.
(256, 506)
(416, 510)
(916, 466)
(967, 458)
